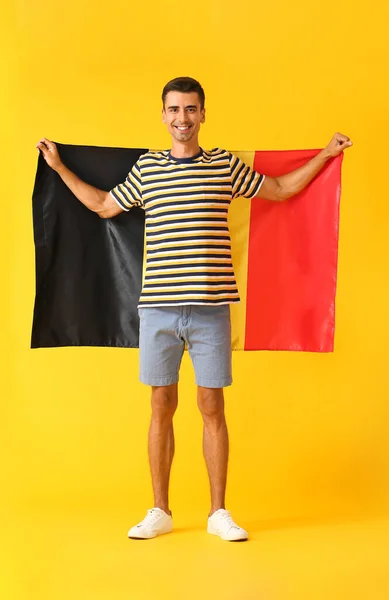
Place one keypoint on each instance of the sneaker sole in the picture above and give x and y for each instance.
(133, 537)
(243, 539)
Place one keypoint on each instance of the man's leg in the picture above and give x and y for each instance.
(164, 400)
(209, 344)
(215, 442)
(160, 349)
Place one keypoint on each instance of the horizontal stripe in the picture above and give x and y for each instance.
(182, 267)
(170, 261)
(164, 280)
(185, 268)
(178, 224)
(186, 230)
(208, 252)
(172, 217)
(210, 302)
(153, 182)
(190, 293)
(223, 205)
(198, 275)
(168, 243)
(178, 197)
(159, 233)
(216, 259)
(206, 284)
(187, 183)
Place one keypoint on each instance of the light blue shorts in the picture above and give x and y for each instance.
(205, 330)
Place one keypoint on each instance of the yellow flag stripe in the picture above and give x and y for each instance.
(239, 224)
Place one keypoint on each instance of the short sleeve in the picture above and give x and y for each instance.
(244, 181)
(129, 193)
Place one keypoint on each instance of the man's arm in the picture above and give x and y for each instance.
(284, 187)
(96, 200)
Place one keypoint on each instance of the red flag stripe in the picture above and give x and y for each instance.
(292, 263)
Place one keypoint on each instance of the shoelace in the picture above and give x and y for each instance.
(226, 518)
(151, 517)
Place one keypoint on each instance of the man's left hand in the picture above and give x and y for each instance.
(338, 143)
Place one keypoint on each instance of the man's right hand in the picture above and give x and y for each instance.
(50, 153)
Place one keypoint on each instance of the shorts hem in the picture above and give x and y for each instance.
(167, 380)
(214, 383)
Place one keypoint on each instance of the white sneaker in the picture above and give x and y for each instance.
(155, 523)
(222, 524)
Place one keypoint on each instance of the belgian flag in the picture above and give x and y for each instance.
(89, 270)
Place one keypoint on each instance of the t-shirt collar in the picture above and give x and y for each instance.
(186, 160)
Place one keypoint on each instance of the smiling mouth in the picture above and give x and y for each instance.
(182, 128)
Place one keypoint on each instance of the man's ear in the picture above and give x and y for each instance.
(202, 116)
(163, 116)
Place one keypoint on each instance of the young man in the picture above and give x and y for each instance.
(189, 281)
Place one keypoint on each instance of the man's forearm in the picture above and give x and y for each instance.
(292, 183)
(90, 196)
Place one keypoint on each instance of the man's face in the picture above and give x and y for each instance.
(182, 115)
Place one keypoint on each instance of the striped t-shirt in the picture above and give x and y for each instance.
(186, 201)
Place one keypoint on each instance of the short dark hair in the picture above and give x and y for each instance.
(184, 85)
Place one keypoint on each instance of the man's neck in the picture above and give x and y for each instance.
(188, 150)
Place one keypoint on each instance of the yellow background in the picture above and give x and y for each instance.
(309, 433)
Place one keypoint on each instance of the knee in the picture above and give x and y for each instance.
(164, 402)
(211, 404)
